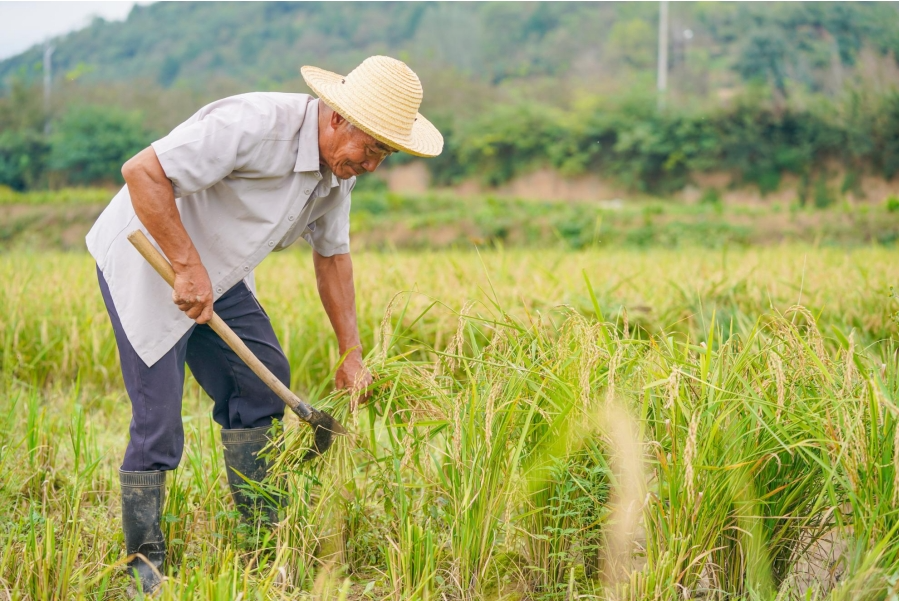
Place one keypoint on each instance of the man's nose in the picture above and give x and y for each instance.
(370, 164)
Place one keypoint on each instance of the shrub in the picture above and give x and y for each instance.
(90, 143)
(23, 158)
(823, 196)
(710, 196)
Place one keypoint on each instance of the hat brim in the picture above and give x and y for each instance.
(424, 140)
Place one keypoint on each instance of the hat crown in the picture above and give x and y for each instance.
(390, 85)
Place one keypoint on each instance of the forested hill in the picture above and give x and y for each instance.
(756, 90)
(263, 43)
(260, 42)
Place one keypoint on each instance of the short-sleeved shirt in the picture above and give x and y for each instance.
(247, 181)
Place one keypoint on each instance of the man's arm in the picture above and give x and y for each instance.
(153, 199)
(334, 276)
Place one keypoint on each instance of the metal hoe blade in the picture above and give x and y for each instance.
(324, 428)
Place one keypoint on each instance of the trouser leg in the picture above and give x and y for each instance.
(244, 405)
(157, 433)
(241, 399)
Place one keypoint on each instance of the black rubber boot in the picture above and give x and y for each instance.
(242, 458)
(143, 495)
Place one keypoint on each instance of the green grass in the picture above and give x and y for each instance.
(546, 425)
(442, 220)
(67, 196)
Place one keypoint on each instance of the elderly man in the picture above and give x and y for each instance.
(243, 177)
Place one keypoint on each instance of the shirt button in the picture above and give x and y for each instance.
(290, 218)
(271, 242)
(246, 268)
(307, 191)
(219, 289)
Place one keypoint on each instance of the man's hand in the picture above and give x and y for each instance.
(193, 292)
(352, 375)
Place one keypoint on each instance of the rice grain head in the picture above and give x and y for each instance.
(673, 386)
(780, 381)
(386, 330)
(689, 457)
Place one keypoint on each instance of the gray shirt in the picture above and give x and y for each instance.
(247, 181)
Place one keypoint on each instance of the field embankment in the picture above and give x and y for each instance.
(384, 220)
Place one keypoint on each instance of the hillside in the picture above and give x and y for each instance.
(264, 43)
(713, 46)
(755, 90)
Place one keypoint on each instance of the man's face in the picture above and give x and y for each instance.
(350, 151)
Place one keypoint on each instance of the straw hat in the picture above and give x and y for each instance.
(381, 97)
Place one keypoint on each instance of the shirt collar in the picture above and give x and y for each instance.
(307, 151)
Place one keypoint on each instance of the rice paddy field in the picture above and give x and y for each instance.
(552, 424)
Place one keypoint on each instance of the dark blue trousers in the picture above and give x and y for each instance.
(240, 398)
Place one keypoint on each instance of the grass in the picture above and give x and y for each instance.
(546, 425)
(63, 196)
(442, 220)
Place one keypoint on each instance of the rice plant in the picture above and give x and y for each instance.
(596, 425)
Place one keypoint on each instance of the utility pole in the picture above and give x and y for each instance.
(662, 74)
(48, 82)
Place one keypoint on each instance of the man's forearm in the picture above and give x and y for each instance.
(153, 200)
(334, 277)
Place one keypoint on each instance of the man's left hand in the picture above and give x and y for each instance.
(352, 375)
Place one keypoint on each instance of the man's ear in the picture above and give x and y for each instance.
(336, 119)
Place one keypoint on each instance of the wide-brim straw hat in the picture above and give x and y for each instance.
(381, 97)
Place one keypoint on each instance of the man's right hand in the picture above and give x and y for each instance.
(193, 292)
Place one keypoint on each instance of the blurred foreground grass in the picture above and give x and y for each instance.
(547, 425)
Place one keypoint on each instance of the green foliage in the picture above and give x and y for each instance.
(197, 43)
(656, 152)
(509, 139)
(513, 86)
(23, 147)
(23, 159)
(892, 204)
(823, 195)
(791, 45)
(634, 42)
(710, 196)
(90, 144)
(788, 45)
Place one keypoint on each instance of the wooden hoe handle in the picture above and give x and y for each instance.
(163, 268)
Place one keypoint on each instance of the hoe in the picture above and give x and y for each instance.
(324, 426)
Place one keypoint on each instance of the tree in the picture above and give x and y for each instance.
(633, 42)
(23, 157)
(23, 147)
(90, 143)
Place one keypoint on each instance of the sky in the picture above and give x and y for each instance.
(24, 24)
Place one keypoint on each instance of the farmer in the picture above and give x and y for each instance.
(244, 176)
